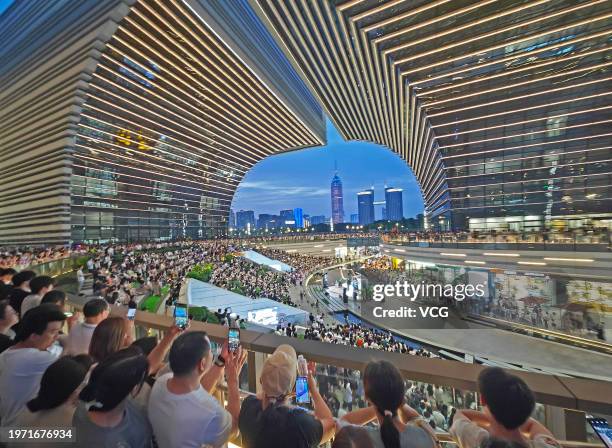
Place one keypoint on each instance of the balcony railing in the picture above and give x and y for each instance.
(564, 398)
(525, 241)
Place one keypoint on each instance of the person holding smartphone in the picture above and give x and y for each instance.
(268, 420)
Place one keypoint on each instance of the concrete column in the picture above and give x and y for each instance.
(255, 362)
(566, 424)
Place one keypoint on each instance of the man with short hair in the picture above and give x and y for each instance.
(508, 404)
(78, 339)
(21, 289)
(181, 409)
(39, 286)
(22, 365)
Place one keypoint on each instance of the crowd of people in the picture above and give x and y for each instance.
(123, 274)
(355, 335)
(113, 390)
(56, 371)
(23, 258)
(581, 235)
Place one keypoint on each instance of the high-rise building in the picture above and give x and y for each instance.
(337, 201)
(232, 219)
(244, 219)
(355, 218)
(318, 219)
(298, 217)
(383, 213)
(365, 204)
(268, 221)
(287, 218)
(394, 204)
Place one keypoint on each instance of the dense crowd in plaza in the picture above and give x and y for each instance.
(581, 235)
(93, 376)
(360, 336)
(117, 391)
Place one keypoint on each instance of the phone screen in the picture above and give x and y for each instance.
(131, 314)
(180, 316)
(602, 429)
(233, 339)
(301, 390)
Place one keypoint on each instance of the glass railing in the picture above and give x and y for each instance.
(431, 383)
(518, 241)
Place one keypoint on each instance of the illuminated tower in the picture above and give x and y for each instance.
(336, 200)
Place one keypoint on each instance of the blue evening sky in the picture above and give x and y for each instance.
(4, 4)
(302, 178)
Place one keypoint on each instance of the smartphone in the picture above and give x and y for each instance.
(68, 314)
(131, 314)
(602, 429)
(301, 390)
(180, 316)
(233, 339)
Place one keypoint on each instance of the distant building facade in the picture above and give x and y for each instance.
(355, 218)
(298, 217)
(268, 221)
(245, 218)
(287, 219)
(394, 204)
(318, 219)
(365, 204)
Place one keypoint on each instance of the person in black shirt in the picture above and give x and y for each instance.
(8, 318)
(6, 279)
(269, 421)
(21, 289)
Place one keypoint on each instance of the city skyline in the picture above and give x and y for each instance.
(302, 178)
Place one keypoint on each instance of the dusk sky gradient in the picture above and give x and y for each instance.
(302, 178)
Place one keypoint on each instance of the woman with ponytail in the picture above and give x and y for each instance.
(55, 403)
(399, 426)
(105, 416)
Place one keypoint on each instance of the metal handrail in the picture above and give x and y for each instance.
(442, 436)
(572, 393)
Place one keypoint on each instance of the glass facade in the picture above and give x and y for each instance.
(499, 109)
(365, 206)
(171, 123)
(138, 120)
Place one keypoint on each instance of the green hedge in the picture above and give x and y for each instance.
(201, 272)
(152, 303)
(201, 313)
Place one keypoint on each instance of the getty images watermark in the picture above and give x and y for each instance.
(417, 305)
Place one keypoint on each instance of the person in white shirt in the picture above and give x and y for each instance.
(508, 403)
(181, 408)
(22, 365)
(80, 280)
(55, 403)
(39, 286)
(77, 341)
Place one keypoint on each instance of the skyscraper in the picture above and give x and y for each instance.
(354, 218)
(267, 221)
(287, 218)
(232, 219)
(365, 204)
(394, 204)
(337, 202)
(298, 217)
(244, 218)
(317, 219)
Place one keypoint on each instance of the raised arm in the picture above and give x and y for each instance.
(321, 410)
